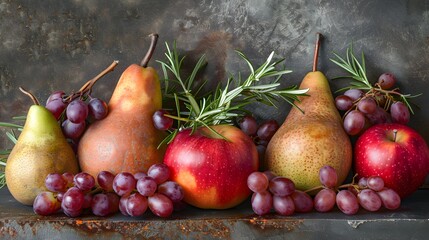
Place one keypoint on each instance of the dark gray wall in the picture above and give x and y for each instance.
(51, 45)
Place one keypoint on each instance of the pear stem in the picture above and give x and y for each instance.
(316, 51)
(148, 56)
(87, 87)
(35, 101)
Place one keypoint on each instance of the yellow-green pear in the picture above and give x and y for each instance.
(41, 149)
(307, 141)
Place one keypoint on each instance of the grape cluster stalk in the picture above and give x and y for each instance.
(130, 194)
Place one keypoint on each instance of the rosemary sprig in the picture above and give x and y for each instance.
(357, 71)
(4, 154)
(226, 103)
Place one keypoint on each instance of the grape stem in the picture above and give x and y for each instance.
(87, 87)
(33, 98)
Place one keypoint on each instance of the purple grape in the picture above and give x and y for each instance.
(347, 202)
(46, 204)
(369, 200)
(390, 199)
(161, 121)
(55, 182)
(367, 105)
(303, 202)
(56, 107)
(77, 111)
(124, 183)
(248, 125)
(146, 186)
(354, 122)
(73, 201)
(262, 202)
(378, 116)
(328, 176)
(97, 108)
(160, 172)
(257, 182)
(400, 113)
(113, 202)
(160, 205)
(139, 175)
(100, 205)
(283, 205)
(123, 205)
(281, 186)
(343, 102)
(55, 95)
(362, 183)
(84, 181)
(105, 180)
(136, 205)
(325, 199)
(73, 130)
(386, 81)
(171, 190)
(354, 94)
(267, 129)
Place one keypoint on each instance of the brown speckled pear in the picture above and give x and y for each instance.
(307, 141)
(41, 149)
(126, 140)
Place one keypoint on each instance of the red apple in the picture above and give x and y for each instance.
(395, 152)
(212, 171)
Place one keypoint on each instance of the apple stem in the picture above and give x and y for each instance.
(395, 133)
(316, 51)
(35, 101)
(148, 56)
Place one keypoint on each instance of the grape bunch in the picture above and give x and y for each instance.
(260, 133)
(278, 193)
(130, 194)
(369, 193)
(380, 104)
(78, 109)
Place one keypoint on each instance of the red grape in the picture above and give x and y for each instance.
(267, 129)
(100, 205)
(378, 116)
(281, 186)
(77, 111)
(262, 202)
(97, 108)
(160, 205)
(56, 107)
(55, 182)
(354, 122)
(160, 172)
(400, 113)
(73, 201)
(328, 176)
(283, 205)
(386, 81)
(369, 200)
(303, 202)
(171, 190)
(354, 94)
(73, 130)
(124, 183)
(105, 180)
(84, 181)
(324, 201)
(347, 202)
(136, 205)
(375, 183)
(367, 105)
(390, 199)
(343, 102)
(257, 182)
(161, 121)
(146, 186)
(46, 204)
(248, 125)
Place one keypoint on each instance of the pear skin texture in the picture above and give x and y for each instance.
(41, 149)
(306, 142)
(126, 140)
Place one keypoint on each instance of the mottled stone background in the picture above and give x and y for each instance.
(52, 45)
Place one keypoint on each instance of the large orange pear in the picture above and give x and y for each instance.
(126, 140)
(307, 141)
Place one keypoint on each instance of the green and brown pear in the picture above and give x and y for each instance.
(311, 139)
